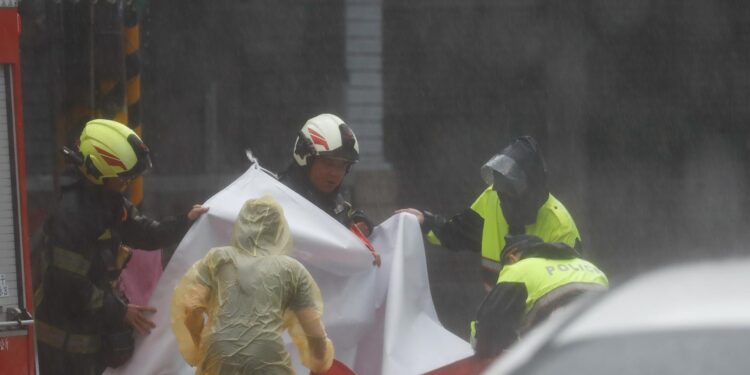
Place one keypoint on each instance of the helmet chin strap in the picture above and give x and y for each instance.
(72, 156)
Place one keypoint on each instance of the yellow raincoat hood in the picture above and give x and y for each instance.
(261, 229)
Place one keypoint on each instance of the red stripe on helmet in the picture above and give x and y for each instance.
(104, 152)
(318, 139)
(110, 159)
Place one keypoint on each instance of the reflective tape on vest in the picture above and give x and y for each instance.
(38, 296)
(71, 343)
(70, 261)
(557, 294)
(97, 299)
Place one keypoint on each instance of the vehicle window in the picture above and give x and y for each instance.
(685, 353)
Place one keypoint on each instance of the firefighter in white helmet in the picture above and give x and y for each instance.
(325, 150)
(83, 324)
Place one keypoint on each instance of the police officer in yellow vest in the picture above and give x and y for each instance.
(537, 278)
(517, 201)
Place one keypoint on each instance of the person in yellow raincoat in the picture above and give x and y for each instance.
(231, 307)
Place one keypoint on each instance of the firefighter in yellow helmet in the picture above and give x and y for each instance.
(536, 279)
(231, 307)
(517, 201)
(83, 324)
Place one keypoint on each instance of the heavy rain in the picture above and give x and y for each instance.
(640, 109)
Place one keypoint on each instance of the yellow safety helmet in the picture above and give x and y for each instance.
(110, 149)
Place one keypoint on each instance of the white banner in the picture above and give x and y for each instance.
(381, 320)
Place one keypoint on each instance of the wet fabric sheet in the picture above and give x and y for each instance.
(381, 320)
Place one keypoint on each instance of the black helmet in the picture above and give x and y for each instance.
(518, 168)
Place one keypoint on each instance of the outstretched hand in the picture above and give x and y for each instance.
(134, 316)
(363, 227)
(413, 211)
(196, 212)
(376, 259)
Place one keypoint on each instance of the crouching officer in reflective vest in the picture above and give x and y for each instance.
(83, 324)
(517, 201)
(536, 279)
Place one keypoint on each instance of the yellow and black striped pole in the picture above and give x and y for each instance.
(117, 69)
(133, 83)
(109, 64)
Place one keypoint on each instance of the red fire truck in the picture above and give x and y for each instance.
(17, 354)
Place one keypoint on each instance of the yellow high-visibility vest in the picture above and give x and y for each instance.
(553, 224)
(542, 276)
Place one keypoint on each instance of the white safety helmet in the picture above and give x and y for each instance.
(328, 136)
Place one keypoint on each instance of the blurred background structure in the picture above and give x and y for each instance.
(641, 107)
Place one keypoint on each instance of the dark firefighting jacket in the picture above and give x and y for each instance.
(81, 257)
